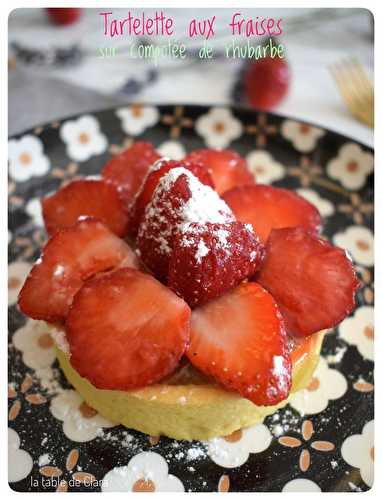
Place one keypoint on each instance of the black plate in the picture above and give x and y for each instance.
(270, 456)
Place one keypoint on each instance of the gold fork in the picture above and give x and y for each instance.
(355, 87)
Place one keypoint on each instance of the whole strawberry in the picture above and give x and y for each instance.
(266, 82)
(178, 199)
(64, 16)
(155, 173)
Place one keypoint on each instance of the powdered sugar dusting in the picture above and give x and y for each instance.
(283, 422)
(222, 235)
(203, 206)
(157, 164)
(192, 236)
(195, 453)
(201, 252)
(44, 459)
(253, 256)
(60, 340)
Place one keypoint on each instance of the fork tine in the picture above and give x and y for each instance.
(351, 79)
(355, 88)
(360, 81)
(362, 75)
(342, 86)
(352, 103)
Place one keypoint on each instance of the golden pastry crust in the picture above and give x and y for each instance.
(195, 409)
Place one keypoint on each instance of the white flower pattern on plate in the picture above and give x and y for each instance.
(233, 450)
(146, 472)
(81, 423)
(351, 167)
(301, 484)
(83, 138)
(358, 330)
(34, 210)
(218, 127)
(359, 242)
(136, 118)
(304, 137)
(326, 384)
(358, 451)
(263, 166)
(26, 158)
(172, 149)
(20, 462)
(164, 481)
(325, 207)
(17, 272)
(36, 344)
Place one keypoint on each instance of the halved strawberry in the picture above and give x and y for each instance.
(86, 197)
(69, 258)
(227, 168)
(126, 330)
(128, 169)
(268, 207)
(240, 340)
(313, 282)
(209, 259)
(145, 194)
(178, 199)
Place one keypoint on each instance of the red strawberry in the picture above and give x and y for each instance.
(63, 16)
(313, 282)
(126, 330)
(266, 82)
(209, 259)
(145, 194)
(178, 199)
(268, 207)
(227, 168)
(128, 169)
(87, 197)
(240, 340)
(69, 258)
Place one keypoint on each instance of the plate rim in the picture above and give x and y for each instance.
(241, 108)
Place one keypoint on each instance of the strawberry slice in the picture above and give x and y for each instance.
(126, 330)
(178, 199)
(128, 169)
(87, 197)
(313, 282)
(240, 340)
(209, 259)
(145, 194)
(268, 207)
(227, 168)
(69, 258)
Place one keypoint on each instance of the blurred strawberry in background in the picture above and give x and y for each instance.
(63, 16)
(266, 82)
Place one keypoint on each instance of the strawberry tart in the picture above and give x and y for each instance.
(185, 299)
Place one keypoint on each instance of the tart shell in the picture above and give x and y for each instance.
(188, 411)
